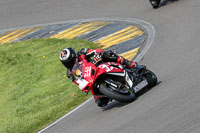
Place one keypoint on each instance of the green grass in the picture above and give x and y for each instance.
(34, 90)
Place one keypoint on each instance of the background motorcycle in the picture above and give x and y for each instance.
(155, 3)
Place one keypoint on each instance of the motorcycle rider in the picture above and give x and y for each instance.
(69, 57)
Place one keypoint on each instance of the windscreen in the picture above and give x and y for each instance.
(77, 69)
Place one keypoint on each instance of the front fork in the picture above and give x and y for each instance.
(137, 78)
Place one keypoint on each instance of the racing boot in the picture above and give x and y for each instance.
(101, 102)
(130, 64)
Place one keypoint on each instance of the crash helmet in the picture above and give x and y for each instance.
(68, 57)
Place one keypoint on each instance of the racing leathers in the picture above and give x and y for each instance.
(105, 56)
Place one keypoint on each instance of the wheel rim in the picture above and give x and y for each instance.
(125, 91)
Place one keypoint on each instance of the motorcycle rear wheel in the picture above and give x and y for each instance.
(121, 97)
(155, 3)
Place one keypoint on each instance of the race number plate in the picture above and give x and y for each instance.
(140, 86)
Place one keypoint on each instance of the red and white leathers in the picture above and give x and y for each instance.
(105, 56)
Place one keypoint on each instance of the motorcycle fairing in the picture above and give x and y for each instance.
(128, 80)
(90, 73)
(126, 76)
(82, 83)
(109, 67)
(115, 69)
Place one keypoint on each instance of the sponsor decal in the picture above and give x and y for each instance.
(140, 86)
(106, 67)
(87, 72)
(128, 80)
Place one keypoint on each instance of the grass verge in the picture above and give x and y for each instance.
(34, 90)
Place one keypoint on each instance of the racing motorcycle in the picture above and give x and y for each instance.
(112, 80)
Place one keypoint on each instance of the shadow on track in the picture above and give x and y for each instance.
(114, 104)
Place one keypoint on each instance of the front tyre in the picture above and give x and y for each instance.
(113, 94)
(151, 78)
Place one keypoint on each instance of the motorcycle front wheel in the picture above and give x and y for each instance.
(151, 78)
(116, 95)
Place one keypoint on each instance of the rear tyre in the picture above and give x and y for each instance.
(155, 3)
(122, 97)
(151, 78)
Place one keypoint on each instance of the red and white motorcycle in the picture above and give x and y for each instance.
(112, 80)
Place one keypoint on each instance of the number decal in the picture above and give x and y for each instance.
(87, 71)
(106, 67)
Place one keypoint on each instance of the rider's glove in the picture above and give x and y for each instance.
(109, 56)
(82, 51)
(130, 64)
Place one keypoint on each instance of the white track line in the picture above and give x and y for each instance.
(66, 115)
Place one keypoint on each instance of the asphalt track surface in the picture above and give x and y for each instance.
(171, 107)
